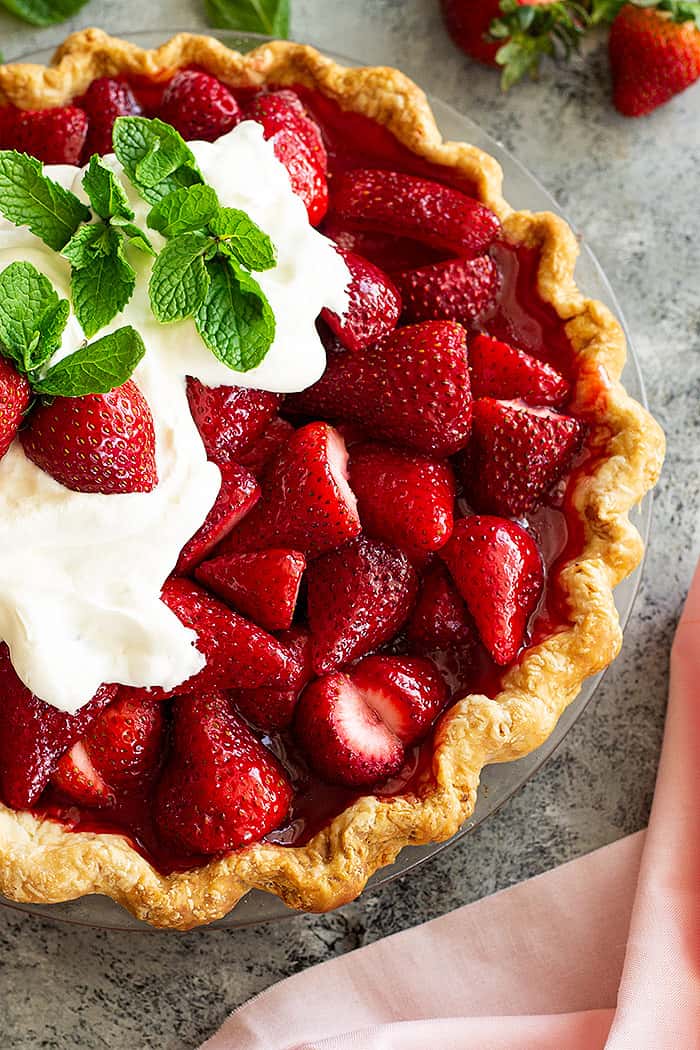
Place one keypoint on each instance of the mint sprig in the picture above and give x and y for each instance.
(179, 279)
(155, 157)
(43, 12)
(29, 198)
(95, 368)
(235, 320)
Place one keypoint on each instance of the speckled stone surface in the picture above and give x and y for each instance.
(631, 186)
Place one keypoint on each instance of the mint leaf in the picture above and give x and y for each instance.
(103, 287)
(184, 211)
(241, 239)
(32, 317)
(29, 198)
(179, 279)
(235, 320)
(106, 193)
(86, 243)
(96, 368)
(251, 16)
(134, 236)
(43, 12)
(154, 155)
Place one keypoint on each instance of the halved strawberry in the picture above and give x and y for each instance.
(77, 778)
(407, 692)
(373, 309)
(237, 496)
(273, 709)
(15, 395)
(265, 448)
(498, 571)
(96, 443)
(501, 371)
(439, 619)
(411, 388)
(358, 597)
(104, 101)
(463, 290)
(199, 106)
(124, 743)
(229, 418)
(221, 789)
(516, 454)
(343, 738)
(298, 145)
(35, 735)
(402, 497)
(263, 585)
(387, 251)
(307, 504)
(53, 136)
(392, 202)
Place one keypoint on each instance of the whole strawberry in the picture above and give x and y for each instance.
(104, 101)
(15, 396)
(54, 136)
(199, 106)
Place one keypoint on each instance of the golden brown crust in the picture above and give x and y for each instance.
(43, 862)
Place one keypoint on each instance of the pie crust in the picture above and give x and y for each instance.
(41, 861)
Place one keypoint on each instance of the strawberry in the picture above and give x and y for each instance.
(499, 370)
(263, 585)
(402, 497)
(199, 106)
(221, 789)
(273, 709)
(35, 735)
(96, 443)
(229, 418)
(387, 251)
(238, 653)
(516, 454)
(373, 309)
(307, 504)
(15, 396)
(124, 743)
(267, 447)
(458, 290)
(408, 206)
(104, 101)
(411, 388)
(342, 737)
(498, 571)
(77, 778)
(440, 619)
(298, 145)
(237, 496)
(53, 136)
(407, 692)
(654, 54)
(358, 598)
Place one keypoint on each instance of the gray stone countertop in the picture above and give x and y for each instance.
(632, 187)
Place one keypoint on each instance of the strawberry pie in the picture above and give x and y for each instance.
(315, 472)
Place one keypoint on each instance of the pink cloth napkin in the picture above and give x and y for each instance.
(603, 952)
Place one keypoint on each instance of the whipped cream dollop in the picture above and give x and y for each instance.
(81, 573)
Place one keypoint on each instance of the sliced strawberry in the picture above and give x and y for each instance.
(104, 101)
(35, 735)
(264, 449)
(387, 251)
(440, 619)
(407, 692)
(402, 497)
(516, 454)
(373, 309)
(273, 709)
(343, 738)
(53, 136)
(15, 395)
(263, 585)
(96, 443)
(229, 418)
(358, 597)
(307, 504)
(411, 388)
(75, 777)
(408, 206)
(463, 290)
(498, 570)
(237, 496)
(499, 370)
(221, 789)
(298, 145)
(124, 743)
(199, 106)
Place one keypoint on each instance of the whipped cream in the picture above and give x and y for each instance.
(81, 573)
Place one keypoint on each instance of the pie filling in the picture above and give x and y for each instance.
(512, 313)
